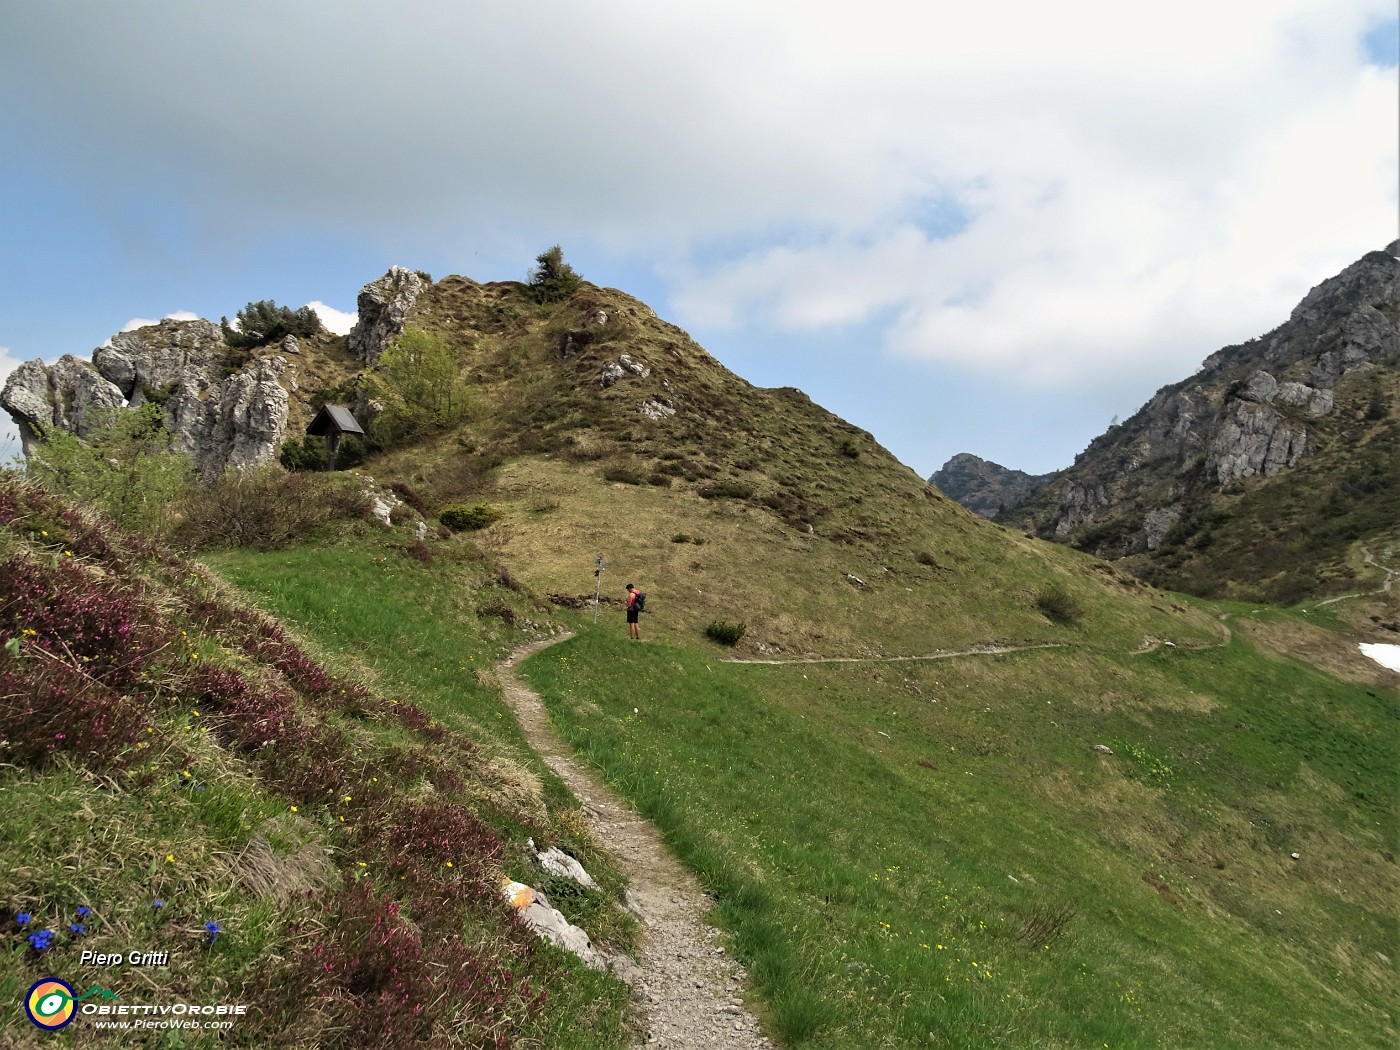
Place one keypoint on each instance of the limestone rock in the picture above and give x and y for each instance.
(611, 374)
(654, 409)
(1248, 413)
(154, 360)
(68, 394)
(1315, 402)
(556, 862)
(1157, 524)
(383, 306)
(1078, 506)
(1260, 387)
(220, 420)
(252, 420)
(1254, 440)
(637, 368)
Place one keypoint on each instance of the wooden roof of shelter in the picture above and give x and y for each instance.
(334, 419)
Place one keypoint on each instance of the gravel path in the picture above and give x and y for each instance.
(687, 990)
(985, 650)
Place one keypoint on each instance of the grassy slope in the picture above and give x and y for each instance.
(264, 841)
(581, 473)
(883, 839)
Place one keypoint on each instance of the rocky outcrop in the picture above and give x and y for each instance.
(983, 487)
(223, 416)
(1079, 505)
(383, 306)
(68, 394)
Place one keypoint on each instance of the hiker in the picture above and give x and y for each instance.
(634, 608)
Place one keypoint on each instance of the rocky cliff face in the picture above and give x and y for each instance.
(984, 487)
(224, 413)
(383, 307)
(227, 408)
(1307, 394)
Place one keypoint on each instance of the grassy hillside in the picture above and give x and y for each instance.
(746, 504)
(847, 815)
(318, 838)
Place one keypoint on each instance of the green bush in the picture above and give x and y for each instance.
(725, 490)
(553, 280)
(126, 466)
(419, 380)
(265, 322)
(462, 518)
(849, 449)
(309, 454)
(726, 633)
(1058, 604)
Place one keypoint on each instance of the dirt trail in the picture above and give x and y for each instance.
(986, 650)
(1384, 588)
(686, 988)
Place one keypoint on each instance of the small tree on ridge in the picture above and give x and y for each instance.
(552, 279)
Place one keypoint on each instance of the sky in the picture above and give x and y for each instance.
(965, 228)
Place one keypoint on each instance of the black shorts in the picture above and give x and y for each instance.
(631, 615)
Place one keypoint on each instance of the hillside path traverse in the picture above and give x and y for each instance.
(985, 650)
(687, 989)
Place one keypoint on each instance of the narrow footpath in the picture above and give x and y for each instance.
(687, 989)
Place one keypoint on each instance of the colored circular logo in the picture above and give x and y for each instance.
(49, 1004)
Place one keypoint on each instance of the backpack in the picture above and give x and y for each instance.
(640, 602)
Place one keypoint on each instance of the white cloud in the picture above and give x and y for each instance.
(1136, 185)
(9, 435)
(336, 321)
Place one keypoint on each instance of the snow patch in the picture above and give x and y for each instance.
(1383, 653)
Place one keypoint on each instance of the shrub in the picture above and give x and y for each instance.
(849, 449)
(48, 707)
(726, 633)
(265, 322)
(265, 508)
(500, 610)
(419, 380)
(1058, 604)
(462, 518)
(623, 475)
(419, 551)
(125, 466)
(725, 490)
(309, 454)
(552, 279)
(96, 621)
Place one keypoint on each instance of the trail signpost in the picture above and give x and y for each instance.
(597, 585)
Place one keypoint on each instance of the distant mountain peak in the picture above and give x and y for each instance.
(984, 487)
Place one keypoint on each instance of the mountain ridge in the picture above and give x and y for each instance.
(1204, 459)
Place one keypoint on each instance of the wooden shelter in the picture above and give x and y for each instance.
(332, 422)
